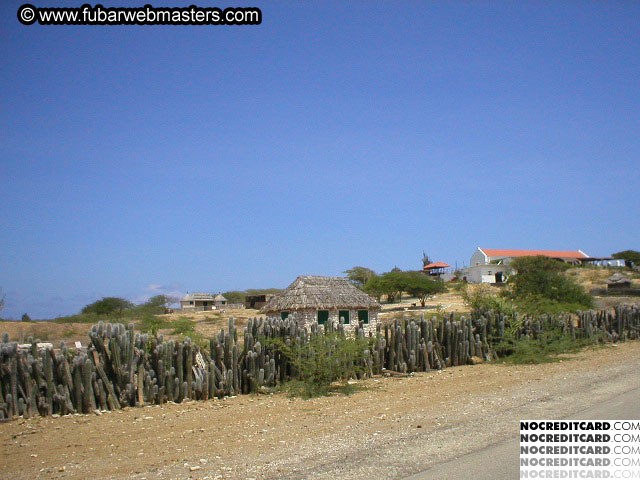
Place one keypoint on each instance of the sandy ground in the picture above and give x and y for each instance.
(390, 429)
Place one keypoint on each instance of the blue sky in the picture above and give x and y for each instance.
(144, 160)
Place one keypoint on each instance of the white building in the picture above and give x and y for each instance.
(489, 265)
(197, 301)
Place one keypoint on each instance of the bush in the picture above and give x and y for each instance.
(183, 326)
(537, 304)
(539, 286)
(108, 305)
(543, 349)
(481, 299)
(151, 324)
(26, 318)
(327, 358)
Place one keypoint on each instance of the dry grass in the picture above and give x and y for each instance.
(441, 303)
(46, 331)
(210, 322)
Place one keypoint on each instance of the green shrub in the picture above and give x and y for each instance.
(481, 299)
(151, 324)
(80, 318)
(537, 304)
(183, 326)
(543, 349)
(539, 280)
(323, 364)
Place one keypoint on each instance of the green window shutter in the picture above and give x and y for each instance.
(344, 314)
(323, 317)
(284, 315)
(363, 316)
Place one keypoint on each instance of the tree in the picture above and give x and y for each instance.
(419, 285)
(1, 299)
(159, 301)
(425, 259)
(359, 275)
(108, 305)
(235, 296)
(539, 280)
(393, 283)
(375, 287)
(157, 304)
(26, 318)
(629, 256)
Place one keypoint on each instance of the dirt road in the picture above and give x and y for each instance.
(394, 428)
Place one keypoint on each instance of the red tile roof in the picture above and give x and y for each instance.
(436, 265)
(493, 252)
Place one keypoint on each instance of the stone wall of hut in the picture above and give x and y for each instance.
(308, 316)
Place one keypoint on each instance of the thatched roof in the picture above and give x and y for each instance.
(618, 279)
(200, 296)
(320, 293)
(219, 298)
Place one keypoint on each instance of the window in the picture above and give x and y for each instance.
(191, 302)
(323, 317)
(363, 316)
(204, 304)
(344, 314)
(284, 315)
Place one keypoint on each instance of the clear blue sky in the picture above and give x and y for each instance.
(143, 160)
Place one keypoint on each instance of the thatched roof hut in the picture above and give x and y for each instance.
(197, 301)
(323, 299)
(617, 280)
(219, 300)
(320, 293)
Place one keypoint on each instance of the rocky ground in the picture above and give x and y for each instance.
(391, 428)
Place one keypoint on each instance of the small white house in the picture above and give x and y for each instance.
(220, 301)
(197, 301)
(490, 265)
(325, 299)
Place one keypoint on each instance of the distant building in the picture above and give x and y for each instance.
(220, 301)
(197, 301)
(618, 281)
(323, 300)
(257, 301)
(605, 262)
(489, 265)
(436, 268)
(441, 270)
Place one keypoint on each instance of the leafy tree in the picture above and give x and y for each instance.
(26, 318)
(628, 256)
(359, 275)
(419, 285)
(375, 287)
(393, 283)
(108, 305)
(159, 301)
(235, 296)
(157, 304)
(541, 277)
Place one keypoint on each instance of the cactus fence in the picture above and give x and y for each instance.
(123, 368)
